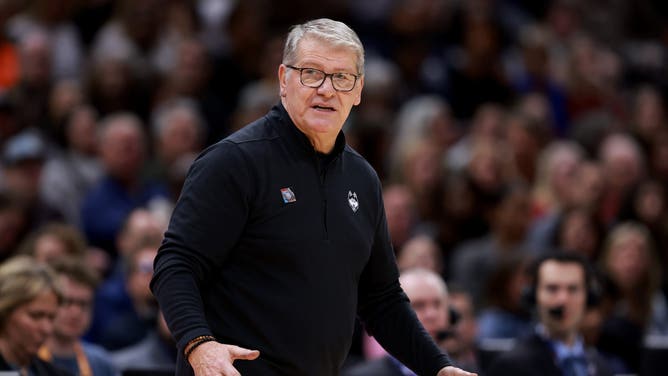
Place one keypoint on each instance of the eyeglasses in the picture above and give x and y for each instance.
(314, 78)
(81, 303)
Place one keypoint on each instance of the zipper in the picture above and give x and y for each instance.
(322, 177)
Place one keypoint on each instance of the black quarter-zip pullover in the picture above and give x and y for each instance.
(274, 247)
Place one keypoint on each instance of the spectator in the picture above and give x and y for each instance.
(429, 298)
(55, 241)
(526, 137)
(191, 78)
(556, 174)
(478, 78)
(138, 34)
(648, 116)
(30, 95)
(421, 251)
(487, 126)
(23, 161)
(402, 217)
(563, 286)
(178, 130)
(29, 300)
(422, 118)
(578, 231)
(534, 75)
(65, 348)
(474, 260)
(505, 316)
(53, 18)
(423, 173)
(140, 229)
(64, 98)
(623, 166)
(112, 86)
(629, 259)
(646, 204)
(155, 353)
(130, 327)
(555, 191)
(461, 344)
(71, 174)
(121, 189)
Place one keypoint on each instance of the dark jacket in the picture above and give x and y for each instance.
(274, 247)
(533, 356)
(37, 367)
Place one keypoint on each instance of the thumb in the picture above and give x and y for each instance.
(241, 353)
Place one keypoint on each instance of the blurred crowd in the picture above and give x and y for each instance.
(501, 129)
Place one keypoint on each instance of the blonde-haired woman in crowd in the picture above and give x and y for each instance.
(29, 299)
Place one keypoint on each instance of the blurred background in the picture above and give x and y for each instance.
(501, 129)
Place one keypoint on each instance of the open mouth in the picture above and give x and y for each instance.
(323, 108)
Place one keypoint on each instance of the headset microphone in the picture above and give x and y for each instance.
(556, 312)
(442, 335)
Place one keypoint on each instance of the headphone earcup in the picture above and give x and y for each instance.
(529, 297)
(455, 316)
(593, 295)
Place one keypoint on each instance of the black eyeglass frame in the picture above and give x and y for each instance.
(330, 75)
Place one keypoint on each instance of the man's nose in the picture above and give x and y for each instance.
(327, 88)
(561, 296)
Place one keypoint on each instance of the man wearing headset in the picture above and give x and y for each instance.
(428, 295)
(563, 288)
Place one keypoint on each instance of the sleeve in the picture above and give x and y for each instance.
(206, 223)
(386, 313)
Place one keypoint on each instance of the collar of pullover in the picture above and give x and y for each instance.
(288, 129)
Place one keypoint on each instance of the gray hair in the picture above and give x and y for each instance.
(165, 113)
(418, 273)
(120, 119)
(332, 32)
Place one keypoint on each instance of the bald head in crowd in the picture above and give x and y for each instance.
(428, 294)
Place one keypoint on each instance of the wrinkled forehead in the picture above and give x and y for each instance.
(313, 44)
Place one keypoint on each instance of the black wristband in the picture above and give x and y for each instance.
(196, 343)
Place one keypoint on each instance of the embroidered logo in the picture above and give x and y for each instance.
(288, 195)
(352, 201)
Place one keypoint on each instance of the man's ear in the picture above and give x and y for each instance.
(282, 79)
(360, 83)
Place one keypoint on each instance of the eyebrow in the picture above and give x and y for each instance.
(315, 65)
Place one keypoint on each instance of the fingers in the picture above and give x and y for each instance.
(215, 359)
(237, 352)
(454, 371)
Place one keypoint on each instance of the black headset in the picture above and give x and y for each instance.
(593, 286)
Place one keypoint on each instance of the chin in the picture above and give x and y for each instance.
(321, 127)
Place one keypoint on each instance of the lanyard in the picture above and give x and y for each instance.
(82, 362)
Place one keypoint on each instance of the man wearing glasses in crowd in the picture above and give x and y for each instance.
(279, 238)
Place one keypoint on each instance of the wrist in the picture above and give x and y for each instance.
(194, 343)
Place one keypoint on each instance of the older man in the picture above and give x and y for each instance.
(428, 294)
(279, 238)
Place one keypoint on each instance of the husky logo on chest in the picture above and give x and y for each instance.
(352, 201)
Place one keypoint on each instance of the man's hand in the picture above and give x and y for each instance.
(213, 358)
(454, 371)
